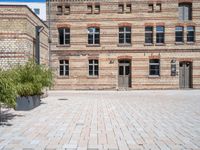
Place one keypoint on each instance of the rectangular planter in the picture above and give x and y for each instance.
(27, 103)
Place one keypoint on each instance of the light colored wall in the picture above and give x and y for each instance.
(32, 5)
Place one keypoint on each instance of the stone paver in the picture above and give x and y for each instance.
(112, 120)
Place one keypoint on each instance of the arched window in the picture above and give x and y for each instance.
(64, 36)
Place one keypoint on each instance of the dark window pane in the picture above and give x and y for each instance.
(121, 70)
(96, 72)
(96, 61)
(90, 73)
(90, 67)
(148, 28)
(127, 70)
(148, 38)
(61, 36)
(154, 60)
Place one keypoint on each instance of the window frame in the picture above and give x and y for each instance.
(93, 63)
(59, 12)
(67, 7)
(151, 33)
(125, 32)
(185, 5)
(94, 35)
(158, 33)
(65, 66)
(155, 69)
(188, 36)
(180, 31)
(64, 36)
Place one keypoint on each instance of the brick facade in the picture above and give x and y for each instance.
(17, 36)
(109, 51)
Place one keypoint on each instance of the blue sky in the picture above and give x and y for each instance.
(22, 0)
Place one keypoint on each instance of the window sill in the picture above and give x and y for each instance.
(124, 45)
(160, 44)
(190, 43)
(64, 45)
(62, 77)
(93, 77)
(93, 45)
(153, 76)
(148, 44)
(179, 43)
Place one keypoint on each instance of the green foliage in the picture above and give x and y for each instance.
(23, 80)
(7, 90)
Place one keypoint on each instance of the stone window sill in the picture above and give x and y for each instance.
(93, 77)
(93, 45)
(160, 44)
(179, 43)
(148, 44)
(153, 76)
(190, 43)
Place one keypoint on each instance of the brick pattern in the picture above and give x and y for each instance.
(109, 50)
(17, 35)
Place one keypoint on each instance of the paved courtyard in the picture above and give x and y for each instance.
(125, 120)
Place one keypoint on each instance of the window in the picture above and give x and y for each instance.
(154, 67)
(173, 67)
(64, 68)
(185, 11)
(128, 8)
(121, 8)
(93, 67)
(67, 10)
(64, 36)
(149, 35)
(93, 35)
(158, 7)
(160, 34)
(89, 9)
(59, 10)
(97, 9)
(190, 34)
(179, 34)
(124, 35)
(151, 9)
(37, 11)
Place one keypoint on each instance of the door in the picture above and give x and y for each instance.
(124, 77)
(185, 75)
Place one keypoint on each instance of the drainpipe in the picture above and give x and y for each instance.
(38, 30)
(49, 25)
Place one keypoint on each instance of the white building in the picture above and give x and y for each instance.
(37, 6)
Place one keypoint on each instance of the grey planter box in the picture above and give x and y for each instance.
(27, 103)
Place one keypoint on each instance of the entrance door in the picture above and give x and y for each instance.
(124, 78)
(185, 75)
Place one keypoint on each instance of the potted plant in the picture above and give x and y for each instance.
(30, 80)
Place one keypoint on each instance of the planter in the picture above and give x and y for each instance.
(27, 103)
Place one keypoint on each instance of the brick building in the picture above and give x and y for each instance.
(137, 44)
(22, 36)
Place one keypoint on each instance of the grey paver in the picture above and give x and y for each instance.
(109, 120)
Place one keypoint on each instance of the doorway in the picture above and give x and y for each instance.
(124, 74)
(185, 74)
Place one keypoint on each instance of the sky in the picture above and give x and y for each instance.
(22, 0)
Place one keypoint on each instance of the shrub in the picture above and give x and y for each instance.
(23, 80)
(8, 92)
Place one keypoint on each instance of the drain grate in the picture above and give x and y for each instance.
(63, 99)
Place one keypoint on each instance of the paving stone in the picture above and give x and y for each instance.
(110, 120)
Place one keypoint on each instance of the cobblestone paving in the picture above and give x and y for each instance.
(125, 120)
